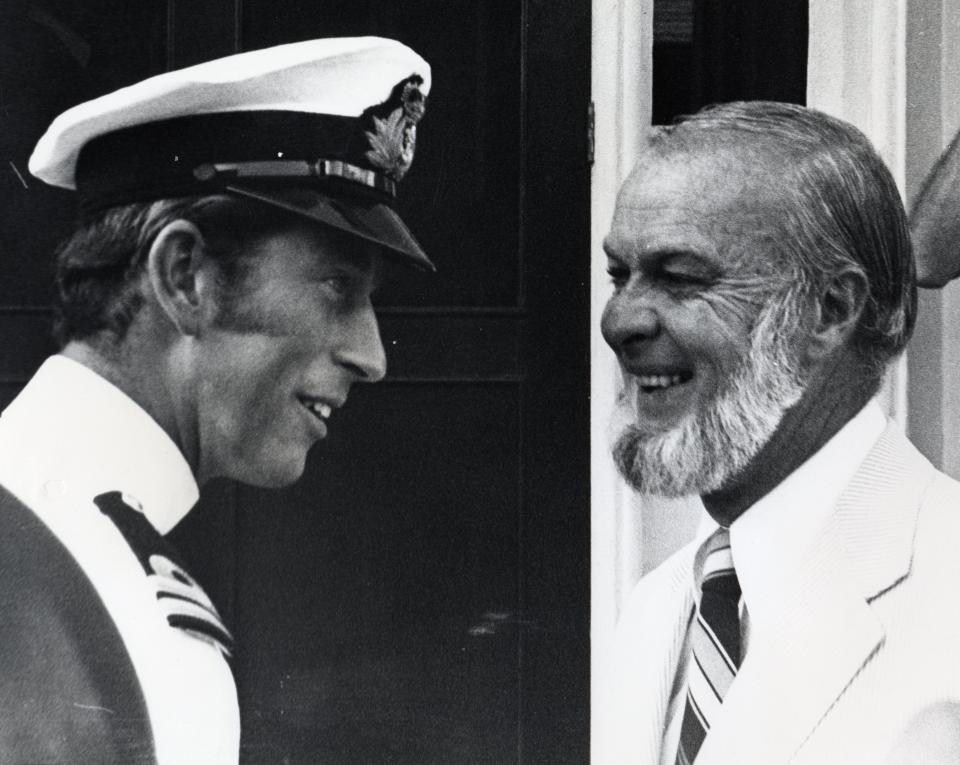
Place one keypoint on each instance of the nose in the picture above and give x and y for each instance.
(362, 351)
(627, 321)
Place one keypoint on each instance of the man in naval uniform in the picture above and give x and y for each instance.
(214, 310)
(762, 283)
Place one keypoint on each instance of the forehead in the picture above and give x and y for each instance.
(301, 251)
(719, 207)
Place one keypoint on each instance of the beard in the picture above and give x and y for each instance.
(714, 444)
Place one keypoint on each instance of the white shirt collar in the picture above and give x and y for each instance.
(769, 538)
(86, 432)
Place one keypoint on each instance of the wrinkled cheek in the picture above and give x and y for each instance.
(733, 313)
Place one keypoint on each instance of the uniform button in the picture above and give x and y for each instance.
(132, 502)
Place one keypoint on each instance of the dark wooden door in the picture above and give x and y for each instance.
(710, 51)
(421, 596)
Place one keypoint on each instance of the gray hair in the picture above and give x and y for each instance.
(842, 207)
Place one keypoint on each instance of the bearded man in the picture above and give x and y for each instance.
(762, 283)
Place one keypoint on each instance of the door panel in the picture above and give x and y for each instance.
(711, 51)
(53, 54)
(393, 636)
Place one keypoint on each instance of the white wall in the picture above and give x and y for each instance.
(622, 58)
(893, 69)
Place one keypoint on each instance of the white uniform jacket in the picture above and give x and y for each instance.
(867, 637)
(106, 651)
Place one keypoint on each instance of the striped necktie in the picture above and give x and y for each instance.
(715, 638)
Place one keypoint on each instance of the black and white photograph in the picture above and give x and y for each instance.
(479, 382)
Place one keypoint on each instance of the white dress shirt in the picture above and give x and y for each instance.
(68, 437)
(768, 540)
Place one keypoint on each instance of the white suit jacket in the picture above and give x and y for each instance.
(868, 635)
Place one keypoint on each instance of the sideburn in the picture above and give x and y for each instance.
(236, 312)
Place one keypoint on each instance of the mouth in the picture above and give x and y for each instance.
(320, 408)
(654, 383)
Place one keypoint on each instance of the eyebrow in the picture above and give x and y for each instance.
(374, 268)
(608, 249)
(662, 253)
(680, 252)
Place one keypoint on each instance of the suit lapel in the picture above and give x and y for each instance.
(662, 653)
(803, 660)
(877, 514)
(650, 637)
(797, 668)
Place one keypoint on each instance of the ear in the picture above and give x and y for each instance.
(173, 267)
(838, 310)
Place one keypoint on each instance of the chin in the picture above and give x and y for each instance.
(277, 481)
(272, 473)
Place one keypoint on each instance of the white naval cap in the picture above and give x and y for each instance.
(324, 128)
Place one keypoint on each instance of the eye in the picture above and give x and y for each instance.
(339, 284)
(618, 274)
(683, 278)
(683, 273)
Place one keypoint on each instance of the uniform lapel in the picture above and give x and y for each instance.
(826, 630)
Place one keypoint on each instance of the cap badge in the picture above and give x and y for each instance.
(394, 136)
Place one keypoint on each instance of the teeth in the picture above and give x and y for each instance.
(659, 381)
(320, 409)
